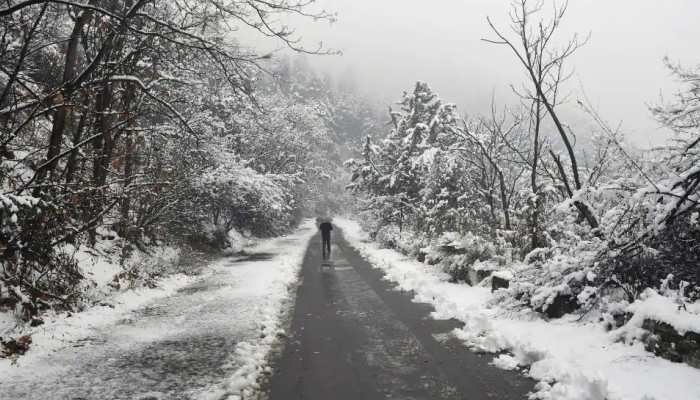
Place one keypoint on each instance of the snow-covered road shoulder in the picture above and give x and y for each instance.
(571, 360)
(62, 329)
(206, 336)
(267, 290)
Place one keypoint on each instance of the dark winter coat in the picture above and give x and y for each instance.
(326, 229)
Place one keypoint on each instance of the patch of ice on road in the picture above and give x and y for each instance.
(571, 360)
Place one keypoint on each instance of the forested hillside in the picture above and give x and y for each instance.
(138, 123)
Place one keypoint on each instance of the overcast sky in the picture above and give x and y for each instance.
(389, 44)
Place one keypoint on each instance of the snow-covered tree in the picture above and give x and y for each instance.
(114, 117)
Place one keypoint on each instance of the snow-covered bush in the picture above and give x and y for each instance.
(236, 197)
(405, 240)
(463, 186)
(136, 269)
(33, 273)
(652, 226)
(456, 253)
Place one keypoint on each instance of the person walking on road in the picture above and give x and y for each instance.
(326, 227)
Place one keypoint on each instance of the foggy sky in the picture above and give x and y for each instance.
(389, 44)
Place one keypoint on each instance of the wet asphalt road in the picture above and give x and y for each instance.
(353, 337)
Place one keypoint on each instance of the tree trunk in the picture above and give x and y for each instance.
(103, 143)
(61, 114)
(101, 146)
(129, 157)
(128, 171)
(72, 162)
(535, 233)
(583, 208)
(504, 198)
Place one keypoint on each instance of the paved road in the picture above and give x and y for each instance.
(354, 337)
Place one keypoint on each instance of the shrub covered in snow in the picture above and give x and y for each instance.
(467, 196)
(34, 275)
(231, 196)
(457, 254)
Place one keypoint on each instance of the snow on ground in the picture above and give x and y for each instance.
(661, 308)
(571, 360)
(266, 288)
(105, 304)
(7, 322)
(203, 337)
(63, 328)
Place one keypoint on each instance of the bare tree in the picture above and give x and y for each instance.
(494, 137)
(544, 63)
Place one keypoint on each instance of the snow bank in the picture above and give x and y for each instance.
(104, 304)
(571, 360)
(504, 361)
(7, 322)
(63, 329)
(653, 306)
(268, 286)
(253, 289)
(101, 264)
(236, 242)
